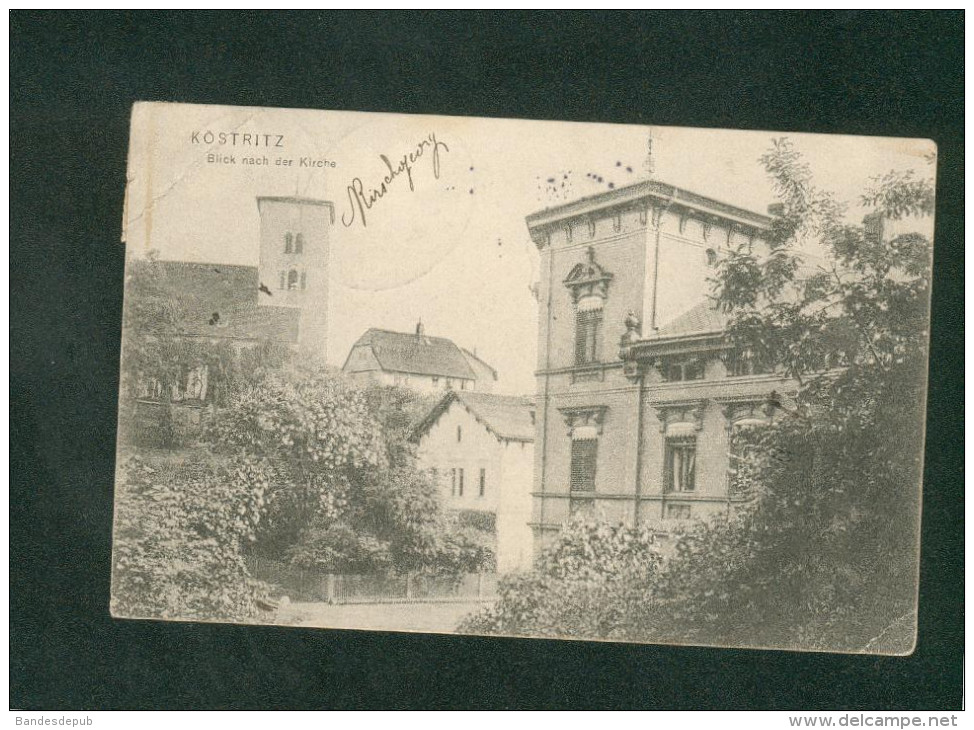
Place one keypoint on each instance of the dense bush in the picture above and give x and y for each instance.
(588, 584)
(346, 494)
(179, 530)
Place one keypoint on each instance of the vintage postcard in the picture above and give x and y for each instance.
(523, 378)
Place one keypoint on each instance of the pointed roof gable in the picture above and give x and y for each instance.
(507, 417)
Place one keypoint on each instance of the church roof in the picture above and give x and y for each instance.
(506, 416)
(418, 354)
(218, 300)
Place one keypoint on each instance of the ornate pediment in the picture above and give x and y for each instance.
(750, 410)
(588, 278)
(584, 417)
(671, 413)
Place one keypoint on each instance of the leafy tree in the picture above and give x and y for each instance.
(179, 531)
(346, 494)
(825, 552)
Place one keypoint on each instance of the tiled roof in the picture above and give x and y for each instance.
(403, 352)
(203, 291)
(506, 416)
(701, 319)
(470, 356)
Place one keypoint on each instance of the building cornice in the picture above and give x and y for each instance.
(647, 194)
(654, 347)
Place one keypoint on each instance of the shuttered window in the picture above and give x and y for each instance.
(681, 460)
(588, 336)
(584, 455)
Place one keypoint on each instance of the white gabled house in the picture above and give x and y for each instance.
(481, 447)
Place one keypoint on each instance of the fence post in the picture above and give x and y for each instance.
(330, 588)
(409, 585)
(480, 585)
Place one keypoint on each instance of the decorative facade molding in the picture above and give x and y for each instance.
(588, 279)
(584, 416)
(752, 408)
(541, 237)
(687, 412)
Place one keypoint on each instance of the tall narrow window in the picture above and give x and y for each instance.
(588, 336)
(288, 242)
(292, 279)
(453, 482)
(584, 458)
(304, 279)
(283, 277)
(681, 458)
(459, 434)
(299, 243)
(483, 482)
(459, 482)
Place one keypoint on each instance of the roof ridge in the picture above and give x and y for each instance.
(205, 263)
(411, 334)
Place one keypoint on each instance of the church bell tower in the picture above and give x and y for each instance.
(295, 236)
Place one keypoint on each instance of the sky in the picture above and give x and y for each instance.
(450, 245)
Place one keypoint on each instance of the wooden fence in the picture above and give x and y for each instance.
(302, 584)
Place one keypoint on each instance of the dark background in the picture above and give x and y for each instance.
(73, 79)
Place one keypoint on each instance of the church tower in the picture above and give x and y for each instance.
(294, 250)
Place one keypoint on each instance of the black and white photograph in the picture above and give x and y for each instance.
(529, 379)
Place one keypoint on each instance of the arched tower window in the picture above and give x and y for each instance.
(288, 242)
(304, 279)
(292, 279)
(299, 243)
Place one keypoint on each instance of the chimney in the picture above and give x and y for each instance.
(420, 330)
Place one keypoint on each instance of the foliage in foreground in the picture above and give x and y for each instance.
(297, 466)
(179, 533)
(588, 585)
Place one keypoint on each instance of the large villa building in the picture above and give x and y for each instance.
(638, 393)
